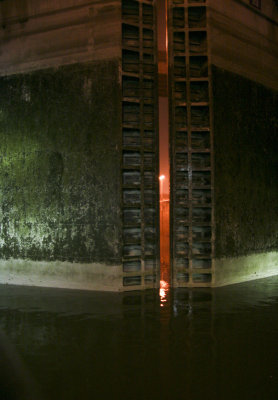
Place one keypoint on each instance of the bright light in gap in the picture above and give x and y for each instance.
(161, 177)
(163, 292)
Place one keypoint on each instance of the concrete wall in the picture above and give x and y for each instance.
(246, 165)
(36, 34)
(246, 175)
(244, 40)
(60, 143)
(243, 45)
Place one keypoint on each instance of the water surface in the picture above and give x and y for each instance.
(185, 344)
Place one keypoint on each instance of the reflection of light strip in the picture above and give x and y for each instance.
(163, 291)
(162, 295)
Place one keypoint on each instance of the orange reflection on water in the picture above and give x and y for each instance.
(164, 286)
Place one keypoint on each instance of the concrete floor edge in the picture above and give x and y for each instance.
(58, 274)
(102, 277)
(234, 270)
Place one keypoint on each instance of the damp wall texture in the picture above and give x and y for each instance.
(60, 164)
(246, 165)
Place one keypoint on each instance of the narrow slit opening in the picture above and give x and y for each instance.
(164, 166)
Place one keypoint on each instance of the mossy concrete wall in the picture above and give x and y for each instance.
(246, 170)
(60, 166)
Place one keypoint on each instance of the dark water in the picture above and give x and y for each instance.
(195, 344)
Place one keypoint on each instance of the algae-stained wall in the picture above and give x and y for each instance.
(246, 165)
(60, 164)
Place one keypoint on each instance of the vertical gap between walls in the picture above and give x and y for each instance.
(164, 165)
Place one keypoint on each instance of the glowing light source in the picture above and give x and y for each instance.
(163, 292)
(161, 179)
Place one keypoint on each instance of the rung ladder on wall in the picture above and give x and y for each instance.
(190, 99)
(140, 194)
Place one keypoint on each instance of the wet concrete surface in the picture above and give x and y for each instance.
(182, 344)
